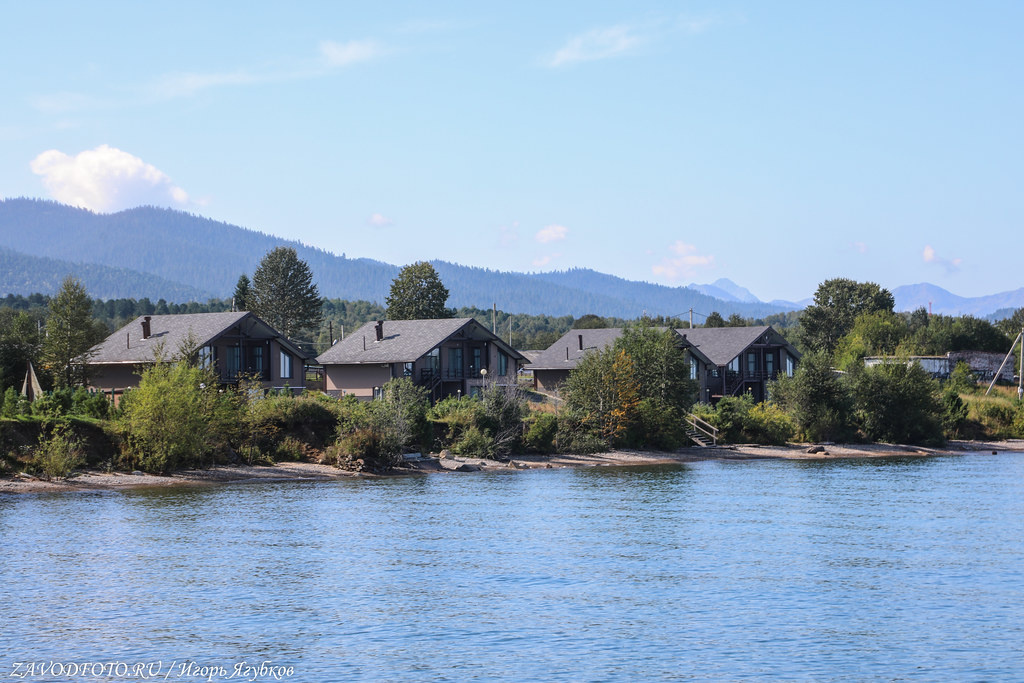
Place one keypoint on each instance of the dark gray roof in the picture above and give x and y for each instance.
(405, 341)
(721, 344)
(717, 345)
(567, 351)
(172, 331)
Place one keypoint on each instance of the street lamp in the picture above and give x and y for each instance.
(483, 374)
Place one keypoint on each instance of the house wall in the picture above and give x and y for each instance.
(549, 380)
(358, 380)
(108, 377)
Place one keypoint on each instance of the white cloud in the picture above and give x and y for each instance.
(106, 179)
(352, 52)
(859, 247)
(508, 235)
(597, 44)
(685, 262)
(950, 265)
(542, 261)
(379, 220)
(552, 233)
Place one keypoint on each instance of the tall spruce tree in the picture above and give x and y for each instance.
(417, 294)
(69, 333)
(284, 294)
(243, 292)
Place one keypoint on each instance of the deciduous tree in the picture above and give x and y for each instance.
(69, 333)
(837, 303)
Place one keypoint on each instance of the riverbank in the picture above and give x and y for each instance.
(92, 480)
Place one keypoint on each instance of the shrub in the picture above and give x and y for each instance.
(89, 404)
(541, 430)
(660, 426)
(175, 418)
(59, 452)
(10, 408)
(768, 424)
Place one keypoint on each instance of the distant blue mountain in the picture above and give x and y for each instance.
(190, 253)
(925, 295)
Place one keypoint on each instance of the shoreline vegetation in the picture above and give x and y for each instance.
(98, 480)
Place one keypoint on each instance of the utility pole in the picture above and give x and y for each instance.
(691, 318)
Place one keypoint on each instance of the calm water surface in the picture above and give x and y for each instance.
(845, 570)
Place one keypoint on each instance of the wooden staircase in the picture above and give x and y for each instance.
(700, 432)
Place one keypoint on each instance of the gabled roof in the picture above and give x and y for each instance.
(565, 353)
(405, 341)
(722, 344)
(714, 345)
(172, 331)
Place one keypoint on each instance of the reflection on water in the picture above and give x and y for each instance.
(881, 568)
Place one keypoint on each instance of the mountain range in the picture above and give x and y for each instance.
(172, 255)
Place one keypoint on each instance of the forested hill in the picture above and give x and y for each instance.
(206, 256)
(23, 274)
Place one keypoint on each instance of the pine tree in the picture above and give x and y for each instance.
(69, 333)
(417, 294)
(283, 293)
(243, 293)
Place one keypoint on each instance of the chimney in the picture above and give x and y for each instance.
(146, 330)
(581, 341)
(380, 330)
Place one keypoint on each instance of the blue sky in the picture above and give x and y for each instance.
(775, 144)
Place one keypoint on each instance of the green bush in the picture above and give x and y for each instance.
(769, 425)
(541, 430)
(660, 426)
(11, 407)
(89, 404)
(177, 417)
(59, 452)
(474, 442)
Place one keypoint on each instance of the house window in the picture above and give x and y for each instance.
(455, 362)
(434, 360)
(693, 369)
(206, 357)
(474, 367)
(502, 364)
(256, 360)
(286, 365)
(769, 364)
(234, 361)
(789, 365)
(407, 369)
(734, 364)
(751, 364)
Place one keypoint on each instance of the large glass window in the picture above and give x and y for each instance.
(769, 364)
(286, 365)
(789, 365)
(234, 361)
(751, 364)
(475, 366)
(734, 364)
(256, 360)
(206, 357)
(455, 362)
(502, 364)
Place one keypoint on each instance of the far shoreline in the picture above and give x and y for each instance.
(96, 480)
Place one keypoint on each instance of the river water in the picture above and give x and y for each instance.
(882, 569)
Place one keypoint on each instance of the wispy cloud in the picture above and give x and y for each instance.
(544, 260)
(379, 220)
(602, 43)
(331, 56)
(551, 233)
(353, 52)
(949, 265)
(622, 39)
(685, 262)
(859, 247)
(508, 235)
(106, 179)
